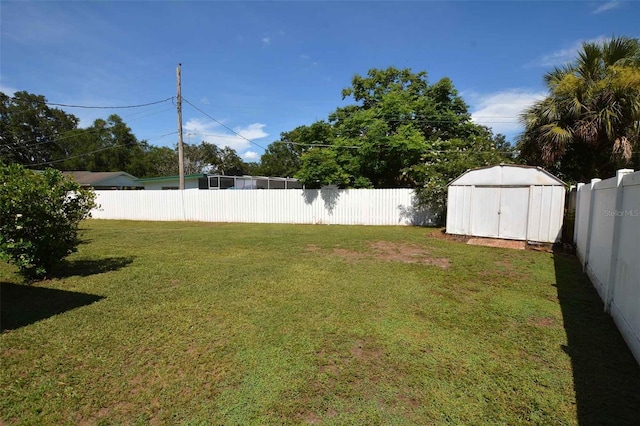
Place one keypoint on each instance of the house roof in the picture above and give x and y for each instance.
(96, 178)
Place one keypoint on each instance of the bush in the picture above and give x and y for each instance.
(39, 218)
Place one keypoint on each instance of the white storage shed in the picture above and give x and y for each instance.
(507, 201)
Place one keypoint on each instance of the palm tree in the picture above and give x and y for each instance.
(589, 124)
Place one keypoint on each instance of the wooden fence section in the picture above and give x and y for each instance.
(310, 206)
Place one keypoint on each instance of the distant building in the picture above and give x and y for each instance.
(216, 182)
(169, 182)
(104, 180)
(247, 182)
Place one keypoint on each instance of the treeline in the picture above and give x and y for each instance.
(38, 136)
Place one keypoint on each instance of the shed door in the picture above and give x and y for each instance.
(500, 212)
(514, 212)
(485, 207)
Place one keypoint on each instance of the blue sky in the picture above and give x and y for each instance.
(262, 68)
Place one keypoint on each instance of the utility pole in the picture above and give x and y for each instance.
(180, 150)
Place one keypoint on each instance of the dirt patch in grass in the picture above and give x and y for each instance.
(349, 255)
(494, 242)
(393, 252)
(442, 235)
(310, 418)
(362, 352)
(543, 322)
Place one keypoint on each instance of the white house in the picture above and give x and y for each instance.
(507, 201)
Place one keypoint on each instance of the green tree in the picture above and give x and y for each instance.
(402, 132)
(105, 146)
(283, 157)
(31, 132)
(589, 124)
(209, 158)
(39, 213)
(198, 158)
(159, 161)
(230, 163)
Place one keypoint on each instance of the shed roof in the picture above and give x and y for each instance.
(507, 175)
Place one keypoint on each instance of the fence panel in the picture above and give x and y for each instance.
(607, 237)
(311, 206)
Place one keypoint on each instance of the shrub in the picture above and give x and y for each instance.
(39, 218)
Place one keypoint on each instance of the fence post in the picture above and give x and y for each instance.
(592, 195)
(611, 282)
(577, 216)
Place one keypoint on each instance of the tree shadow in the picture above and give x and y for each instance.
(606, 376)
(330, 196)
(418, 216)
(310, 195)
(22, 304)
(86, 267)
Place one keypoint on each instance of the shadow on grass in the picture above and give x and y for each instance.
(86, 267)
(605, 374)
(22, 304)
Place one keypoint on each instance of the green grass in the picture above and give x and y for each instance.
(279, 324)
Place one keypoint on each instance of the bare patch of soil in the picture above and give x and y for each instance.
(310, 418)
(312, 248)
(543, 322)
(349, 255)
(360, 351)
(394, 252)
(495, 242)
(442, 234)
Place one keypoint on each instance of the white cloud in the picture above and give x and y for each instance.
(250, 156)
(252, 131)
(9, 91)
(204, 101)
(198, 127)
(266, 41)
(212, 133)
(304, 56)
(562, 56)
(501, 110)
(606, 7)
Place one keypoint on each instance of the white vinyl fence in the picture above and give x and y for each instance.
(311, 206)
(607, 238)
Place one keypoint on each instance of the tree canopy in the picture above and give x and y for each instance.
(589, 124)
(28, 126)
(400, 132)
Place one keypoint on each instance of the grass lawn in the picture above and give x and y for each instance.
(282, 324)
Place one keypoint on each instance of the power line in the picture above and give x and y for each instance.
(223, 125)
(108, 107)
(425, 151)
(78, 131)
(84, 154)
(321, 145)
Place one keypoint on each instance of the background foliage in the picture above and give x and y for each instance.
(589, 124)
